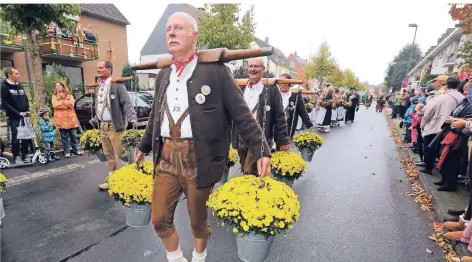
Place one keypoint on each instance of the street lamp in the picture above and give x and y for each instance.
(412, 46)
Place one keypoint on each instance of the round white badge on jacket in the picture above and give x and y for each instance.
(267, 108)
(206, 90)
(112, 96)
(200, 98)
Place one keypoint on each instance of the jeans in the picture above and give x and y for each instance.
(48, 147)
(15, 143)
(69, 133)
(407, 136)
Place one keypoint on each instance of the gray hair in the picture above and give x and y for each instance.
(190, 18)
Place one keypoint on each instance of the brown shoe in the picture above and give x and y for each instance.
(457, 235)
(466, 259)
(104, 186)
(455, 226)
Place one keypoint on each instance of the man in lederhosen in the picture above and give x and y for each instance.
(275, 126)
(189, 135)
(293, 106)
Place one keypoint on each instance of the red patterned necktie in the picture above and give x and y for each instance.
(100, 81)
(250, 85)
(180, 66)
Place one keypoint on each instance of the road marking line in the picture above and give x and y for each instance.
(53, 171)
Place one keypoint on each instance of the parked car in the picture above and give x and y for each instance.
(148, 94)
(84, 104)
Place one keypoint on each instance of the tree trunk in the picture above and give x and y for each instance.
(32, 51)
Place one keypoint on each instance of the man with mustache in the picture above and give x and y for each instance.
(189, 135)
(293, 106)
(275, 128)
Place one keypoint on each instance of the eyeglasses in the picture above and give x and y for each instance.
(255, 66)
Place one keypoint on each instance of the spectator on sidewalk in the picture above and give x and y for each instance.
(47, 127)
(455, 146)
(416, 132)
(15, 103)
(436, 111)
(397, 100)
(114, 111)
(407, 119)
(65, 118)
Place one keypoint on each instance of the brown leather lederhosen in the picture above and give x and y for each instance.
(176, 174)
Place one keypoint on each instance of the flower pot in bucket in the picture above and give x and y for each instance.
(130, 141)
(91, 143)
(287, 166)
(256, 210)
(232, 158)
(132, 185)
(307, 143)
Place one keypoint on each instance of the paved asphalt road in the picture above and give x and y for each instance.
(352, 209)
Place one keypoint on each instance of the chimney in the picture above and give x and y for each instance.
(266, 40)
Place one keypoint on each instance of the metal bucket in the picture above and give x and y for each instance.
(2, 211)
(224, 178)
(130, 155)
(101, 156)
(286, 180)
(138, 215)
(307, 155)
(253, 248)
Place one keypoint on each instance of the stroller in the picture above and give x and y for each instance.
(37, 155)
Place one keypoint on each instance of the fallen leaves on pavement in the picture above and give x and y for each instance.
(423, 199)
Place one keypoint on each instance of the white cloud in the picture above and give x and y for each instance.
(363, 35)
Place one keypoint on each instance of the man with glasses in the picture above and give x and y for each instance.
(262, 100)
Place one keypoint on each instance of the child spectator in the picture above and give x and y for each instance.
(47, 134)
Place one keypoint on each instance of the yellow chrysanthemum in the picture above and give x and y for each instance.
(132, 183)
(233, 156)
(3, 183)
(249, 204)
(308, 140)
(287, 164)
(131, 137)
(90, 140)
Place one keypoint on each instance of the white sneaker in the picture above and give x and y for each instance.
(67, 155)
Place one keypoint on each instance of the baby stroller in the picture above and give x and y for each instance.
(31, 159)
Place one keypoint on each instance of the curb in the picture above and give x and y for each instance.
(456, 201)
(47, 173)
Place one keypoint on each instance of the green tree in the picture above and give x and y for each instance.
(321, 65)
(30, 19)
(54, 73)
(127, 71)
(465, 52)
(220, 26)
(349, 79)
(336, 76)
(397, 69)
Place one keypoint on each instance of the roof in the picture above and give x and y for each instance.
(278, 57)
(156, 43)
(300, 60)
(107, 12)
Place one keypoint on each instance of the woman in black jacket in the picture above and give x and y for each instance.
(454, 146)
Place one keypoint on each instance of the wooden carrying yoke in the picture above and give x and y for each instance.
(208, 56)
(270, 81)
(116, 80)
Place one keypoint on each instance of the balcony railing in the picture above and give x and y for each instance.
(11, 42)
(68, 48)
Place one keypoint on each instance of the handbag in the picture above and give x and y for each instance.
(25, 130)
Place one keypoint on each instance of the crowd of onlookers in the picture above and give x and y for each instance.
(15, 103)
(80, 32)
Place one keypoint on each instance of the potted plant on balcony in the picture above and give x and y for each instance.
(130, 140)
(287, 166)
(132, 185)
(91, 143)
(307, 143)
(256, 210)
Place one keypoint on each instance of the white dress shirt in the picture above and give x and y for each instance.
(285, 98)
(251, 95)
(177, 99)
(103, 93)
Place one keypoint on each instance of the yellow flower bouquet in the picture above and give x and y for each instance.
(131, 138)
(3, 183)
(90, 141)
(287, 165)
(132, 183)
(247, 204)
(309, 106)
(308, 140)
(346, 103)
(232, 157)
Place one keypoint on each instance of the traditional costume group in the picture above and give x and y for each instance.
(334, 106)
